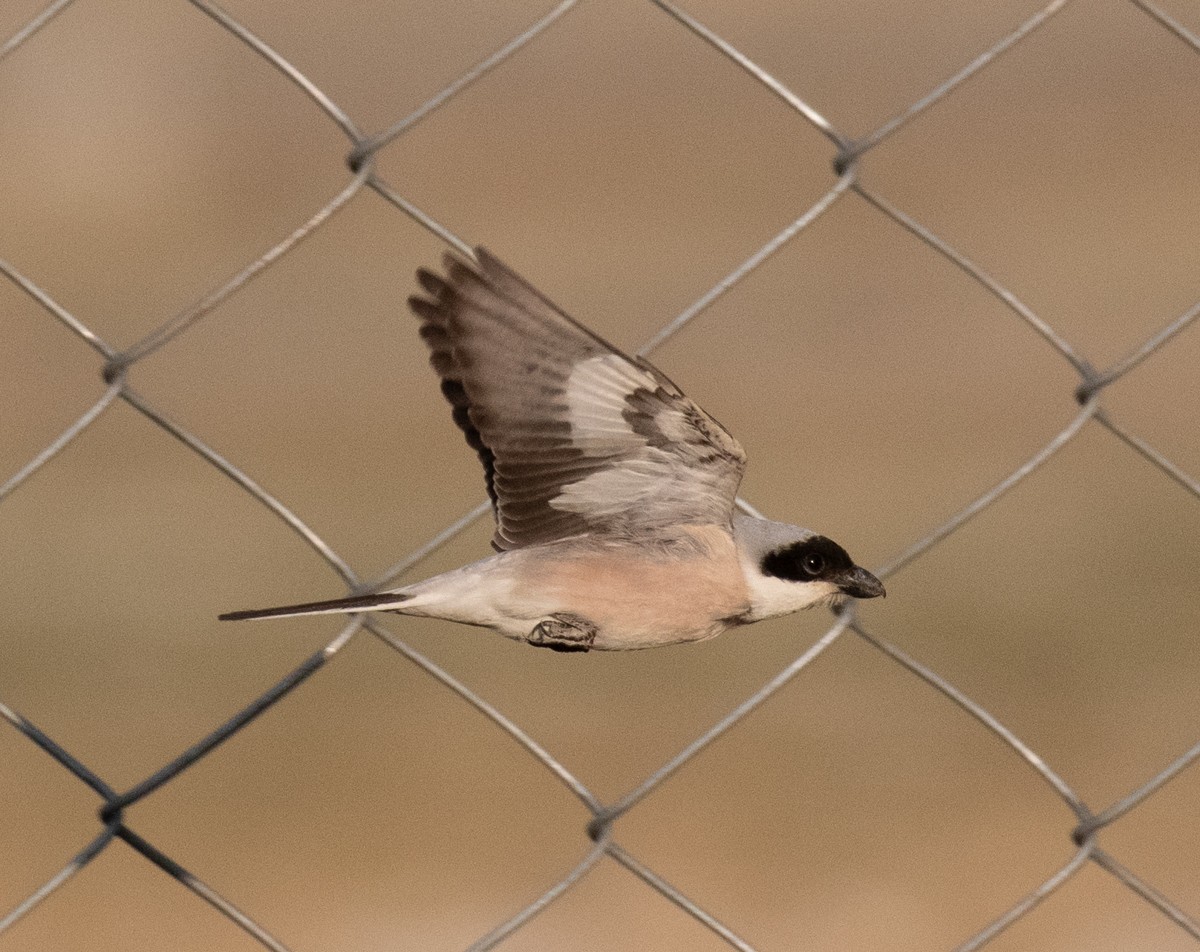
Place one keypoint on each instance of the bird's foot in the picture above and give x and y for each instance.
(563, 631)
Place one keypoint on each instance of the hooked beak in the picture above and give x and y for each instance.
(859, 583)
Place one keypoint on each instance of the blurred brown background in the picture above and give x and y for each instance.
(625, 167)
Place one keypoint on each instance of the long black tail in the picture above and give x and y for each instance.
(336, 606)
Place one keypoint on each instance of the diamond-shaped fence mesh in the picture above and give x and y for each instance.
(1100, 830)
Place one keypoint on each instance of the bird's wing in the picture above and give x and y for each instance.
(574, 436)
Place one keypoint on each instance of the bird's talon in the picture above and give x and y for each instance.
(563, 631)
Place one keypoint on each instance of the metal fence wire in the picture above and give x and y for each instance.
(603, 828)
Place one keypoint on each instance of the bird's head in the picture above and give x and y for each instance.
(788, 568)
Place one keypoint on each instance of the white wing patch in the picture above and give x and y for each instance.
(642, 477)
(608, 492)
(596, 393)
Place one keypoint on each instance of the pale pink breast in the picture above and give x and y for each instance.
(642, 598)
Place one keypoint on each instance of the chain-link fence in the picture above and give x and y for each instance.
(850, 183)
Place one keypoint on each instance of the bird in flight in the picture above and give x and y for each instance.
(613, 493)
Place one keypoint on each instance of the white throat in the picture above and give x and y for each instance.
(771, 596)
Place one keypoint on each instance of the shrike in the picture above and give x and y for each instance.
(613, 492)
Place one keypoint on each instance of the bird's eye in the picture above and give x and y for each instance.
(813, 563)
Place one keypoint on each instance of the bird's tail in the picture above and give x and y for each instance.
(383, 601)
